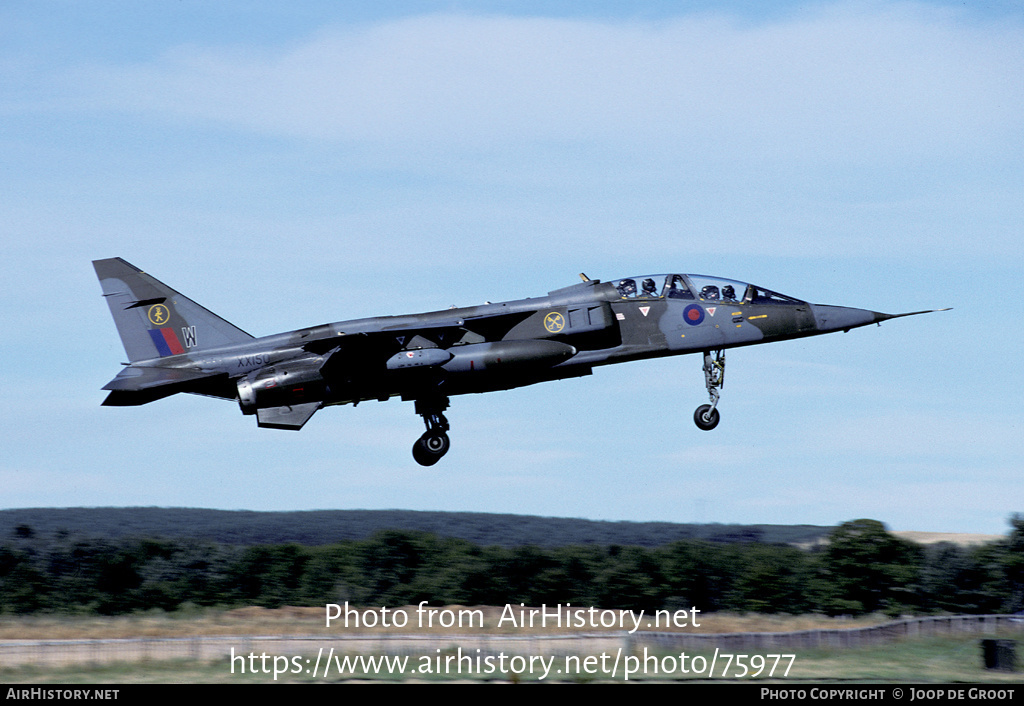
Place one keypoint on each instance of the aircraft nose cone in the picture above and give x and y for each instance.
(841, 318)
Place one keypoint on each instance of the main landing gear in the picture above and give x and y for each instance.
(434, 443)
(706, 417)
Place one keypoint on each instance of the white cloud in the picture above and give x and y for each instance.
(849, 79)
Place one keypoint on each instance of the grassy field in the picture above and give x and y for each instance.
(932, 660)
(311, 621)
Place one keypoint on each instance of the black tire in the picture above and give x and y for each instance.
(430, 447)
(706, 418)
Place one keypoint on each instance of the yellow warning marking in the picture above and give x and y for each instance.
(158, 315)
(554, 322)
(761, 316)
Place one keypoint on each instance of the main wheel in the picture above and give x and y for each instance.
(430, 447)
(706, 417)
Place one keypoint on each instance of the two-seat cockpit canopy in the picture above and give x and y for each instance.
(698, 288)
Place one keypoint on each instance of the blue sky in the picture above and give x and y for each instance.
(288, 166)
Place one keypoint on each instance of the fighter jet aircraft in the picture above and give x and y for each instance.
(175, 345)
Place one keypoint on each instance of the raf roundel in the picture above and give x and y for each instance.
(693, 314)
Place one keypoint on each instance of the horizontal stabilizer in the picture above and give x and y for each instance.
(292, 417)
(141, 385)
(144, 378)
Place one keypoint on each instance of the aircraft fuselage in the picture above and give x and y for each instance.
(177, 346)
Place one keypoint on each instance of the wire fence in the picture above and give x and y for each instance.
(988, 625)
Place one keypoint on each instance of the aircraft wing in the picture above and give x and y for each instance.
(491, 327)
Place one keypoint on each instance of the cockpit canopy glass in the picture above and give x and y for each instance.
(698, 288)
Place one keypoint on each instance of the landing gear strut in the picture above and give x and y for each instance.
(434, 443)
(706, 417)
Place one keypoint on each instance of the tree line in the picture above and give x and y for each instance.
(312, 527)
(861, 568)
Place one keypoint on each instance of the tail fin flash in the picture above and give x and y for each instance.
(154, 320)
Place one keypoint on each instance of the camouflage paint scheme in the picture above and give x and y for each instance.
(175, 345)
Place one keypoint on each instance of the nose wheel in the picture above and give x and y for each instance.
(706, 416)
(434, 444)
(430, 447)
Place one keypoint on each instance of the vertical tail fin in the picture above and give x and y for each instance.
(154, 320)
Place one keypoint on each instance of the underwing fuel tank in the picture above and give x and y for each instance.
(508, 355)
(418, 358)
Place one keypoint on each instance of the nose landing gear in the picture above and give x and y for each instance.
(706, 416)
(434, 443)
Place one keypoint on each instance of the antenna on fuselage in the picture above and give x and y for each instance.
(584, 277)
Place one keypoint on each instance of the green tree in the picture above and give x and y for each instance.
(773, 579)
(866, 569)
(1014, 562)
(270, 575)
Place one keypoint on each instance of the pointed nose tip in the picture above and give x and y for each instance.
(842, 318)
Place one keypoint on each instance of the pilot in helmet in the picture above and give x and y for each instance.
(709, 291)
(627, 288)
(728, 292)
(649, 288)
